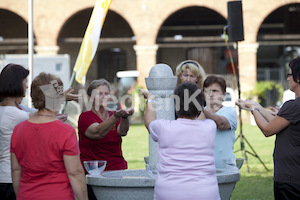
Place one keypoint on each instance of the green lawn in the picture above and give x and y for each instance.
(255, 185)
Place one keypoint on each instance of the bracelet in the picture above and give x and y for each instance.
(150, 101)
(254, 110)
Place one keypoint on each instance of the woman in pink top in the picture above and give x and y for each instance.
(186, 167)
(44, 151)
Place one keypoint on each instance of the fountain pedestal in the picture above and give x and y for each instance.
(138, 185)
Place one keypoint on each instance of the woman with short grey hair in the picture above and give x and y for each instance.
(101, 130)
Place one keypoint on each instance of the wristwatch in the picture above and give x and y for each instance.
(254, 109)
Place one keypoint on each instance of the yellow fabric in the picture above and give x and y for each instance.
(90, 41)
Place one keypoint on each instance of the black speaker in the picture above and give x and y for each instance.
(235, 21)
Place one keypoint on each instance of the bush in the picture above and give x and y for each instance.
(137, 100)
(268, 93)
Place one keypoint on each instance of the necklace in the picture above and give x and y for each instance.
(37, 114)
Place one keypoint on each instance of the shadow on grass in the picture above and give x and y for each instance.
(253, 188)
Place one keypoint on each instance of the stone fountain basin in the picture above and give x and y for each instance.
(137, 184)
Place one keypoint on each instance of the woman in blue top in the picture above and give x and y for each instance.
(225, 118)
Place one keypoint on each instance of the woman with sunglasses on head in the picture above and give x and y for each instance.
(190, 71)
(286, 126)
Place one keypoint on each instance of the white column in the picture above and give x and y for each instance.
(247, 53)
(145, 59)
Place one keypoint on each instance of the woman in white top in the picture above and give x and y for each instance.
(13, 82)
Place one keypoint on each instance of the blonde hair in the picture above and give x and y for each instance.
(195, 68)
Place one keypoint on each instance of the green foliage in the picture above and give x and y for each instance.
(135, 146)
(138, 99)
(262, 87)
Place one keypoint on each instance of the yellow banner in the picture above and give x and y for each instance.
(90, 41)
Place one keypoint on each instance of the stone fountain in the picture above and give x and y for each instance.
(139, 184)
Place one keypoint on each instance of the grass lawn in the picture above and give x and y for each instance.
(255, 185)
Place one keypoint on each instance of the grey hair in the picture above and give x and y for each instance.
(96, 83)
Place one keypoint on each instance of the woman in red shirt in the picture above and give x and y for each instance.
(100, 130)
(45, 161)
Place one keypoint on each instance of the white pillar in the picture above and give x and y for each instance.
(145, 59)
(161, 82)
(247, 65)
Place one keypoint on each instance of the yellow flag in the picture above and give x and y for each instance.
(90, 41)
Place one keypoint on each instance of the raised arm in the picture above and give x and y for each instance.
(124, 124)
(98, 131)
(265, 113)
(221, 121)
(70, 96)
(150, 113)
(268, 128)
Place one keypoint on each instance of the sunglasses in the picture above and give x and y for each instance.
(288, 75)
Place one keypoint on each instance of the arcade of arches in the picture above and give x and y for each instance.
(140, 33)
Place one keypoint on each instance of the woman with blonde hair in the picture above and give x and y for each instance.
(190, 71)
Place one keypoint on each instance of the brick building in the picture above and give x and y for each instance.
(140, 33)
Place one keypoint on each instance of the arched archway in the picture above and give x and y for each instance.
(279, 42)
(116, 34)
(194, 33)
(114, 60)
(13, 33)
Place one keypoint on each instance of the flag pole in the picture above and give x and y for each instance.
(30, 48)
(89, 44)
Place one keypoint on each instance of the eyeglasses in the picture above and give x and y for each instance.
(288, 75)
